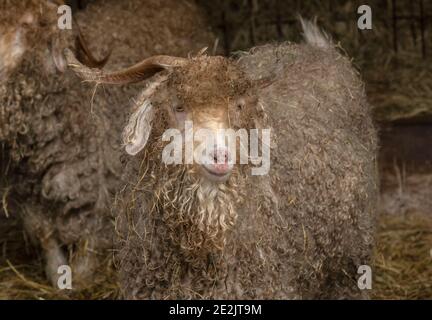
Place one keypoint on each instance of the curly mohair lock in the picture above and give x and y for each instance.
(301, 231)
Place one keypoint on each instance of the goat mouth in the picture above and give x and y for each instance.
(217, 175)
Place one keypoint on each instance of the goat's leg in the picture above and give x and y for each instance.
(90, 251)
(39, 227)
(84, 261)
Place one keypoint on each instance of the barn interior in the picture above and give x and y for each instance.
(394, 58)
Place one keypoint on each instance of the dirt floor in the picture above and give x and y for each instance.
(403, 257)
(22, 275)
(403, 253)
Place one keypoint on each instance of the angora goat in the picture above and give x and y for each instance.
(214, 229)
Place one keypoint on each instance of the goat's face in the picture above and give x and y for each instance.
(30, 28)
(199, 97)
(13, 43)
(203, 99)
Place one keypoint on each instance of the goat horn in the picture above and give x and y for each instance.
(138, 72)
(83, 52)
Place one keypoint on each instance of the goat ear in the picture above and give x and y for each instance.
(57, 56)
(137, 131)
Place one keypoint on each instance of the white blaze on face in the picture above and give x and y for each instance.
(12, 48)
(13, 44)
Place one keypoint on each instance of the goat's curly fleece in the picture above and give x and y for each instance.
(299, 232)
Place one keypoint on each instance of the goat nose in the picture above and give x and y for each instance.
(220, 156)
(219, 162)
